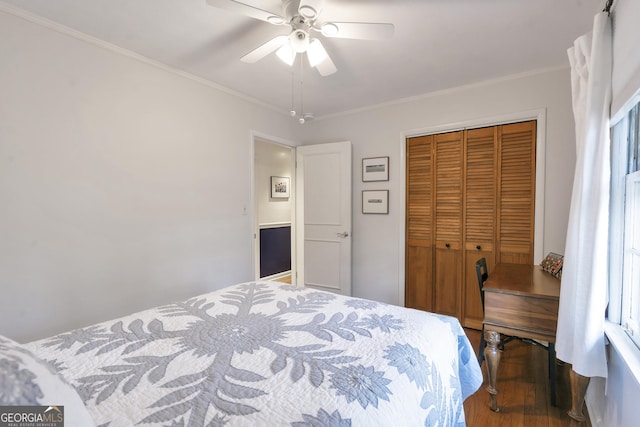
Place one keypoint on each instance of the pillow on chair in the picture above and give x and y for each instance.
(26, 380)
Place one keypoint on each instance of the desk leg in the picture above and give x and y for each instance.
(492, 355)
(578, 390)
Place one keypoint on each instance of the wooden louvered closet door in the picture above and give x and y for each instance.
(479, 215)
(448, 222)
(419, 224)
(516, 192)
(470, 194)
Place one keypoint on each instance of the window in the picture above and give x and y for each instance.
(625, 220)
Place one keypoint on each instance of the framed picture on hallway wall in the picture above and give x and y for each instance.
(280, 187)
(375, 169)
(375, 201)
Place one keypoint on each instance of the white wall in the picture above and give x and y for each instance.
(626, 64)
(613, 401)
(378, 239)
(122, 185)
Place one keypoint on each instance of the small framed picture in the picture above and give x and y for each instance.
(375, 169)
(280, 187)
(375, 201)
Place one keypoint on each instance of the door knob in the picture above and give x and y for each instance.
(343, 235)
(478, 247)
(447, 245)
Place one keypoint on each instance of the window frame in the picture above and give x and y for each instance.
(624, 169)
(631, 259)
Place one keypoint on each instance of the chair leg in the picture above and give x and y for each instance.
(481, 347)
(552, 372)
(505, 339)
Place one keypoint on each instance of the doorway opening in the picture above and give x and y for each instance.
(274, 202)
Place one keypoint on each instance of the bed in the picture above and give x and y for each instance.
(253, 354)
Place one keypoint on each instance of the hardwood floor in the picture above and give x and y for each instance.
(523, 390)
(285, 279)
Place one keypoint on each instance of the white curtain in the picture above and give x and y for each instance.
(583, 295)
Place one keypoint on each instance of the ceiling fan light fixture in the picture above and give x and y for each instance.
(316, 52)
(286, 54)
(329, 29)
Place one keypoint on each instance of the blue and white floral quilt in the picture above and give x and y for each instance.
(268, 354)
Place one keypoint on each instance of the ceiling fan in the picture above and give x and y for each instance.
(303, 18)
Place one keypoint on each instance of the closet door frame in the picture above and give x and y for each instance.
(540, 116)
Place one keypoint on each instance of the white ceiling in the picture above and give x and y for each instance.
(438, 44)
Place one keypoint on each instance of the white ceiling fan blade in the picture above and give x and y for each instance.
(326, 67)
(248, 10)
(358, 30)
(264, 50)
(310, 9)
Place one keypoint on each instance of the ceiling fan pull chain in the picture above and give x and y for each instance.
(301, 119)
(292, 112)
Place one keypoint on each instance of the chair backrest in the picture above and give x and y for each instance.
(483, 274)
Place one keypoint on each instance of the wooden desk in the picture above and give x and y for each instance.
(522, 301)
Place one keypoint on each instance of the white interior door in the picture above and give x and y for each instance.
(323, 207)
